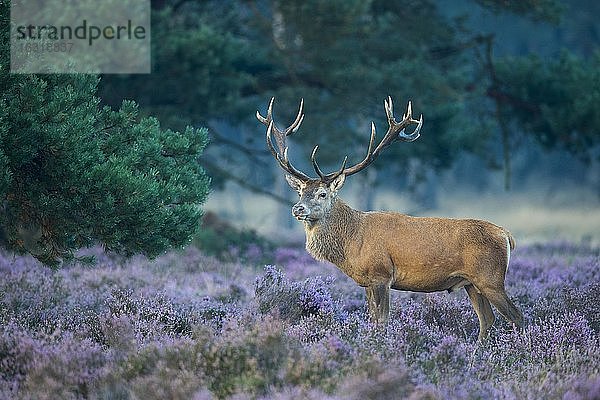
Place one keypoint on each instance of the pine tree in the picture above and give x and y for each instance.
(344, 56)
(74, 174)
(554, 101)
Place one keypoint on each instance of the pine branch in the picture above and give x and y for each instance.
(244, 182)
(252, 153)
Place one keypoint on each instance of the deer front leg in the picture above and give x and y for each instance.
(378, 302)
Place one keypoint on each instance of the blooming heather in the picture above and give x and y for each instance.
(187, 326)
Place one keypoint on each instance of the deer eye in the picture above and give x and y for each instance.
(322, 195)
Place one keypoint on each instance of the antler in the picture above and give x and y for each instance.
(326, 177)
(280, 138)
(395, 132)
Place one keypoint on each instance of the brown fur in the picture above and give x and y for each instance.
(383, 250)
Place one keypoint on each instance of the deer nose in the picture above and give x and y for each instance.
(298, 210)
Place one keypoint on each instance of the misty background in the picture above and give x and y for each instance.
(509, 92)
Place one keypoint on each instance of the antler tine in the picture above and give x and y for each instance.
(287, 131)
(396, 131)
(388, 105)
(263, 120)
(284, 162)
(280, 139)
(269, 140)
(290, 168)
(326, 177)
(314, 163)
(371, 141)
(415, 134)
(297, 122)
(340, 171)
(409, 120)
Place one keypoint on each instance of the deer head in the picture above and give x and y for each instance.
(317, 195)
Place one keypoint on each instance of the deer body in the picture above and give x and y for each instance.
(388, 250)
(367, 247)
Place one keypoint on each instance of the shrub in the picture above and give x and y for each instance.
(293, 300)
(169, 329)
(48, 366)
(223, 240)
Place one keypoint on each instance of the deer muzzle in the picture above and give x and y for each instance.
(300, 211)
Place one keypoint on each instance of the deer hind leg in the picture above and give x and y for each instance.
(483, 309)
(378, 302)
(498, 297)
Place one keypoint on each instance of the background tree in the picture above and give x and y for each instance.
(74, 173)
(556, 102)
(216, 62)
(343, 57)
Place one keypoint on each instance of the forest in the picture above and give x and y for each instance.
(508, 92)
(148, 251)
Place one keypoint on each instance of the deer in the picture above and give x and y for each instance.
(382, 250)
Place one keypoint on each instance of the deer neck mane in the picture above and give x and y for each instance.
(326, 239)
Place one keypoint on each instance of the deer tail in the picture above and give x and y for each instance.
(511, 240)
(510, 245)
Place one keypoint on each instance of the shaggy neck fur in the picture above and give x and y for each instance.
(326, 239)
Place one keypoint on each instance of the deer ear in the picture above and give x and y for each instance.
(294, 182)
(337, 183)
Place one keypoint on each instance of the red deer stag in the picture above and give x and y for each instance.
(383, 250)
